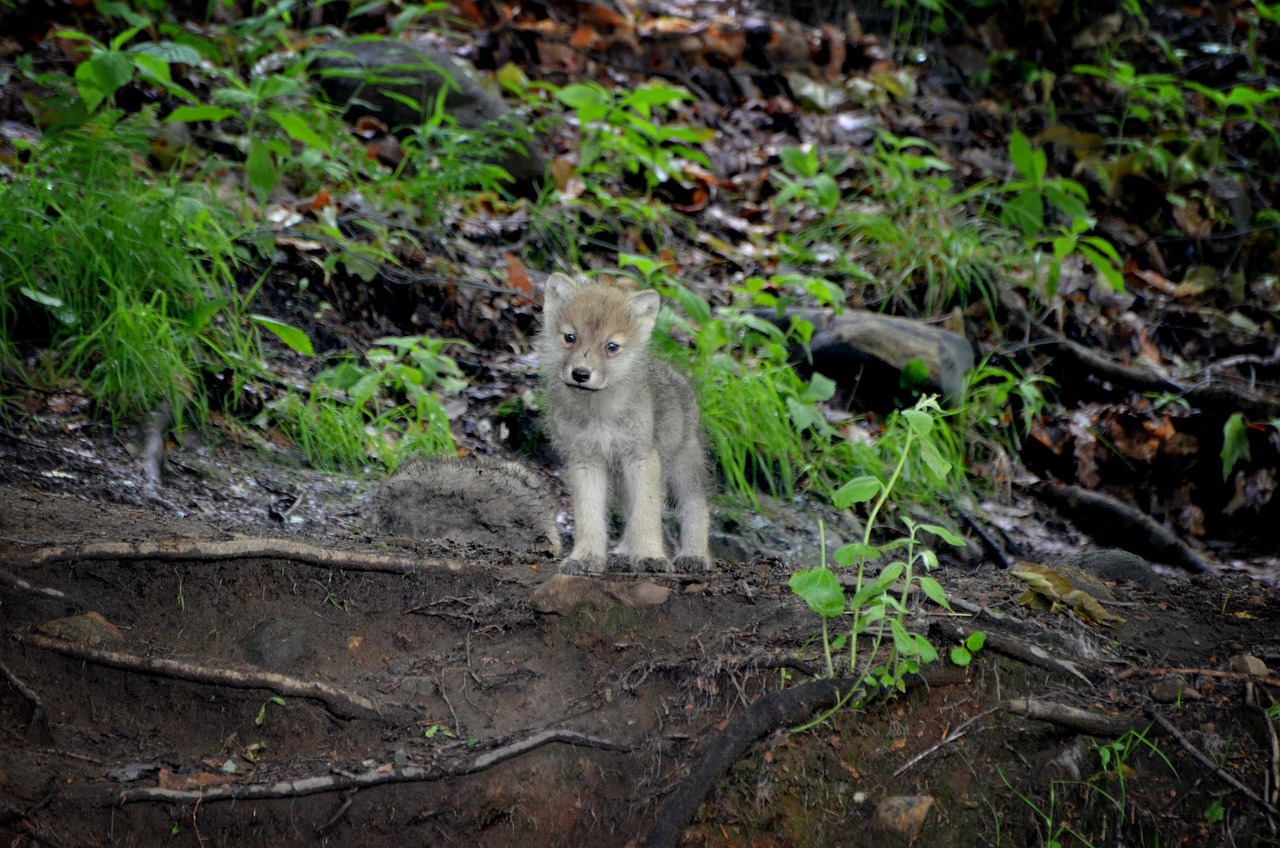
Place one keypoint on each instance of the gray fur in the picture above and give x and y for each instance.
(473, 500)
(621, 417)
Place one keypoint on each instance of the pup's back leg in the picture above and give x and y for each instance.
(687, 479)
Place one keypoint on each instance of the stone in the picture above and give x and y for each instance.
(274, 643)
(564, 593)
(902, 817)
(398, 84)
(1248, 664)
(89, 629)
(1117, 564)
(471, 501)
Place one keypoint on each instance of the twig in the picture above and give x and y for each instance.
(13, 582)
(1082, 721)
(39, 717)
(956, 734)
(1225, 776)
(341, 702)
(377, 775)
(196, 550)
(1251, 698)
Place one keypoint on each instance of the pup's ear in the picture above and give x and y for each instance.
(643, 306)
(559, 287)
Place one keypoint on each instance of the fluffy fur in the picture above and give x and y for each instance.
(617, 414)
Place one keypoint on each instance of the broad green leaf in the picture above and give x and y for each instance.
(933, 591)
(960, 656)
(820, 589)
(297, 128)
(921, 422)
(857, 490)
(204, 112)
(976, 640)
(168, 51)
(854, 551)
(290, 335)
(820, 388)
(939, 466)
(945, 534)
(260, 168)
(1235, 443)
(800, 161)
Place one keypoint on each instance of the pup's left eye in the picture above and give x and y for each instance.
(570, 338)
(613, 347)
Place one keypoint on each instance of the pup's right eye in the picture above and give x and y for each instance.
(570, 338)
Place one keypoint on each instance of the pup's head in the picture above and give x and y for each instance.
(593, 334)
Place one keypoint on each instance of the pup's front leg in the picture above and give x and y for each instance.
(589, 488)
(642, 540)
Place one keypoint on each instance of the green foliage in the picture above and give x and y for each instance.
(622, 132)
(1235, 443)
(1030, 199)
(129, 285)
(383, 411)
(879, 605)
(261, 717)
(962, 654)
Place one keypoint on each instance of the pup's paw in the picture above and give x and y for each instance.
(582, 565)
(659, 564)
(692, 563)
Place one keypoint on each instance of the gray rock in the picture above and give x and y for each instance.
(865, 352)
(473, 500)
(564, 593)
(274, 643)
(399, 83)
(1248, 664)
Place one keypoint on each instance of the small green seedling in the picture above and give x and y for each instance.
(261, 717)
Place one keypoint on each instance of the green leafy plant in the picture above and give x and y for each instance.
(1235, 443)
(1027, 207)
(128, 285)
(261, 717)
(962, 654)
(386, 409)
(878, 606)
(623, 131)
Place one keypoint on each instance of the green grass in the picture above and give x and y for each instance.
(124, 284)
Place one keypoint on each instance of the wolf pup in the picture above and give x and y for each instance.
(616, 412)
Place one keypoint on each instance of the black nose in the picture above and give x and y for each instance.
(581, 375)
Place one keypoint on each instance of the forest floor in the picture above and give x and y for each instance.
(442, 679)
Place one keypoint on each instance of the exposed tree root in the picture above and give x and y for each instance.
(18, 584)
(1205, 395)
(204, 550)
(1111, 522)
(777, 709)
(339, 701)
(1021, 651)
(1089, 722)
(375, 776)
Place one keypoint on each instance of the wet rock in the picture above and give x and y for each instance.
(1173, 690)
(274, 643)
(89, 629)
(902, 817)
(398, 84)
(1248, 664)
(866, 352)
(1117, 564)
(471, 501)
(564, 593)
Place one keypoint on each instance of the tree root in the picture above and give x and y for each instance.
(375, 776)
(777, 709)
(339, 701)
(199, 550)
(1111, 522)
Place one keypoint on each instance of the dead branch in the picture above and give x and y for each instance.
(204, 550)
(1024, 652)
(1088, 722)
(377, 775)
(7, 579)
(339, 701)
(1225, 776)
(1244, 677)
(1111, 522)
(1205, 395)
(777, 709)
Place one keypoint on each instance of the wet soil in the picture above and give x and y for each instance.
(458, 664)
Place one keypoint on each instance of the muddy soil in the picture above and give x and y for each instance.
(441, 679)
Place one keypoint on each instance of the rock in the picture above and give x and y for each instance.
(564, 593)
(902, 817)
(473, 500)
(89, 629)
(274, 643)
(1173, 690)
(399, 83)
(1248, 664)
(1117, 564)
(865, 353)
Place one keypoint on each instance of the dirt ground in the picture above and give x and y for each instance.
(432, 686)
